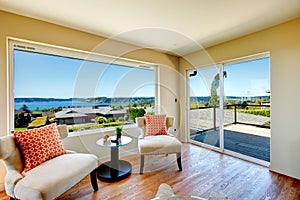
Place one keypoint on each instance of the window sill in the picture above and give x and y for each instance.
(107, 130)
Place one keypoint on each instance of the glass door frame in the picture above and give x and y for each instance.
(221, 149)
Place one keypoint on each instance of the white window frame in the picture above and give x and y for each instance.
(37, 47)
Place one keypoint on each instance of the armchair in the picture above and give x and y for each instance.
(49, 179)
(157, 144)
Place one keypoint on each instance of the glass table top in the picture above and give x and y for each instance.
(124, 141)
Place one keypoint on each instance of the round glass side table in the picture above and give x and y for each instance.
(115, 169)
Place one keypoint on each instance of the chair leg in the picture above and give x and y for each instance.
(142, 164)
(93, 177)
(178, 155)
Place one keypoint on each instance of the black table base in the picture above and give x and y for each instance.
(107, 173)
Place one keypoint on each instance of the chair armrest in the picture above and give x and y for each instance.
(141, 137)
(170, 122)
(71, 151)
(140, 122)
(11, 179)
(171, 135)
(63, 131)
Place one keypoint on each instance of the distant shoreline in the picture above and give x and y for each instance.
(39, 99)
(36, 103)
(48, 103)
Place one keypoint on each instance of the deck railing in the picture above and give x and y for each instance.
(242, 105)
(235, 116)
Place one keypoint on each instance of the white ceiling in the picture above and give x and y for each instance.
(175, 26)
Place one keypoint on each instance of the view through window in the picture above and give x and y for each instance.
(83, 94)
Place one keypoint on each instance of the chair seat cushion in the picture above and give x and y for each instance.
(159, 144)
(53, 177)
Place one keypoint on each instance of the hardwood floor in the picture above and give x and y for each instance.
(204, 171)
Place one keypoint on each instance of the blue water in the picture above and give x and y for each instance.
(55, 104)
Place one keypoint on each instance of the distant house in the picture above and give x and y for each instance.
(37, 114)
(82, 115)
(70, 116)
(112, 113)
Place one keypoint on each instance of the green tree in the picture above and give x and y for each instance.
(214, 99)
(100, 120)
(54, 110)
(25, 108)
(22, 119)
(111, 119)
(121, 119)
(244, 105)
(136, 112)
(259, 101)
(126, 117)
(17, 121)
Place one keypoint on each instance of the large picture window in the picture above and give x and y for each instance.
(82, 90)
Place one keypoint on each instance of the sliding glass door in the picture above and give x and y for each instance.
(204, 112)
(230, 107)
(247, 108)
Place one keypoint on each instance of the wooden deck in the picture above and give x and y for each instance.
(204, 171)
(247, 140)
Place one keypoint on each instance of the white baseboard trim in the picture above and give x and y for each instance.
(284, 173)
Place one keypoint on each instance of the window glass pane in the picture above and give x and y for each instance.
(205, 106)
(77, 92)
(247, 108)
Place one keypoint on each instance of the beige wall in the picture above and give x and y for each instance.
(29, 29)
(283, 43)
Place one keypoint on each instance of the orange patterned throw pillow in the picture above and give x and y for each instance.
(39, 144)
(156, 125)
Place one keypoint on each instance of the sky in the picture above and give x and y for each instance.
(47, 76)
(250, 78)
